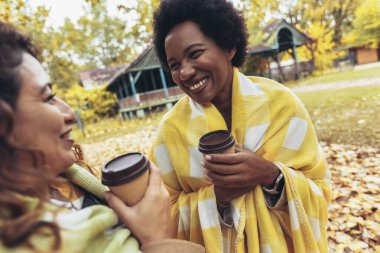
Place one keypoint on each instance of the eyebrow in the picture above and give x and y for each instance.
(188, 49)
(44, 88)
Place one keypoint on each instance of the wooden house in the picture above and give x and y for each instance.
(144, 86)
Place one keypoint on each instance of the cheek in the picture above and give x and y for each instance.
(23, 136)
(175, 77)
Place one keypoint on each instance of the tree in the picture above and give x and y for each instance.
(142, 25)
(337, 15)
(367, 23)
(15, 12)
(322, 47)
(342, 15)
(258, 13)
(93, 104)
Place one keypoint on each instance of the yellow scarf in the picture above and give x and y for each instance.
(271, 121)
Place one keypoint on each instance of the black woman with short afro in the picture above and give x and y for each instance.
(258, 182)
(217, 19)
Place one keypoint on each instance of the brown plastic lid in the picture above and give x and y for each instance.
(124, 169)
(216, 141)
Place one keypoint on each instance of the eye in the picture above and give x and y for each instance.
(51, 98)
(195, 54)
(173, 66)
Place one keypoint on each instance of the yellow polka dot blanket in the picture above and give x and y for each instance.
(268, 119)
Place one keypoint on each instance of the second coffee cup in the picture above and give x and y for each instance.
(127, 176)
(219, 141)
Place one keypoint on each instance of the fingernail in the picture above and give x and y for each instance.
(107, 195)
(208, 157)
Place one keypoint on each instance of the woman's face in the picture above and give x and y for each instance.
(42, 121)
(197, 64)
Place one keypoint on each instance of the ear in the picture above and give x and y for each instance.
(6, 116)
(231, 53)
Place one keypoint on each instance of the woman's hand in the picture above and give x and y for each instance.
(149, 220)
(225, 195)
(241, 169)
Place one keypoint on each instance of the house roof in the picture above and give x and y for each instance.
(148, 59)
(275, 35)
(100, 77)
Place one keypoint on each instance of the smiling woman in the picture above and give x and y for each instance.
(187, 49)
(48, 204)
(271, 194)
(42, 121)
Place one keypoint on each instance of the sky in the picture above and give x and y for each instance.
(61, 9)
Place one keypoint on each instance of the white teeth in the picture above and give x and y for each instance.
(197, 85)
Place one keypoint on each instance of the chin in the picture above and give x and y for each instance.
(202, 100)
(68, 161)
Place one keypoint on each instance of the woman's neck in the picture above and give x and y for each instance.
(223, 101)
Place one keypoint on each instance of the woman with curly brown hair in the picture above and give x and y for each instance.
(47, 204)
(271, 195)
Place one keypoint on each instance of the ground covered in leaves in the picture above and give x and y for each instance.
(354, 223)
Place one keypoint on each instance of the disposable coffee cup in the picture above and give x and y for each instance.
(219, 141)
(127, 176)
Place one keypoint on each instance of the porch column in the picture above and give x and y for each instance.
(125, 87)
(120, 91)
(164, 82)
(296, 61)
(133, 84)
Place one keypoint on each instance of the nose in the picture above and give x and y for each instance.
(187, 72)
(69, 114)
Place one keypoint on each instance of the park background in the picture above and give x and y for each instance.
(342, 99)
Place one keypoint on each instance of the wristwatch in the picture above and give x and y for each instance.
(278, 185)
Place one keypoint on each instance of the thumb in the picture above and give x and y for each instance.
(155, 180)
(120, 208)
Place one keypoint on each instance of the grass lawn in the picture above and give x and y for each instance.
(337, 76)
(114, 127)
(342, 116)
(349, 116)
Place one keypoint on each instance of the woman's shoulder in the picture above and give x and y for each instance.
(271, 86)
(275, 91)
(280, 98)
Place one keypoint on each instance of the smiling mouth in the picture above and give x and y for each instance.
(198, 84)
(66, 135)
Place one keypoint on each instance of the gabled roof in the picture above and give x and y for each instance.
(95, 78)
(271, 37)
(148, 59)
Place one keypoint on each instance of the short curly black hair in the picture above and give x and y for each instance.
(217, 19)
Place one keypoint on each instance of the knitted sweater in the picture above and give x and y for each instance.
(92, 229)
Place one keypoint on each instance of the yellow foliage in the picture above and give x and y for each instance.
(366, 24)
(93, 104)
(323, 46)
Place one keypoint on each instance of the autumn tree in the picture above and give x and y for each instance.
(101, 39)
(367, 23)
(258, 14)
(336, 15)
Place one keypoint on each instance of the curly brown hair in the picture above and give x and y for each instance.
(18, 221)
